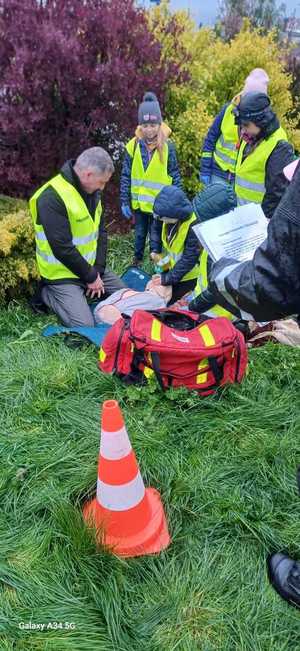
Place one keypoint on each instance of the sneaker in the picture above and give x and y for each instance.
(136, 263)
(284, 575)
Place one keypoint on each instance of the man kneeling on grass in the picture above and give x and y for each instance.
(71, 240)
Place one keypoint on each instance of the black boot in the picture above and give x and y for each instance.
(136, 262)
(284, 575)
(36, 302)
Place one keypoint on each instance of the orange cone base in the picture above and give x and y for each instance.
(151, 540)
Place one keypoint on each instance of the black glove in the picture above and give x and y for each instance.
(203, 302)
(210, 297)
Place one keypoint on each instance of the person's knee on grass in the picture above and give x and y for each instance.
(71, 239)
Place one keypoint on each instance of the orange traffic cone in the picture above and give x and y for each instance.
(131, 517)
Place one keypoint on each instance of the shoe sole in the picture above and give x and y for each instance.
(277, 589)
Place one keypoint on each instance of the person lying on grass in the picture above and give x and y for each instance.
(126, 301)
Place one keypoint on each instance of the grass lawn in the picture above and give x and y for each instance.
(225, 467)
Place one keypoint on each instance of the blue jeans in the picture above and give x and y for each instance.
(143, 223)
(219, 179)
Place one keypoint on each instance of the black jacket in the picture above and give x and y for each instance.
(172, 202)
(267, 287)
(52, 215)
(275, 181)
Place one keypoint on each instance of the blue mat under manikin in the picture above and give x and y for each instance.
(134, 278)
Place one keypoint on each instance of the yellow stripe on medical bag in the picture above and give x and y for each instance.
(207, 335)
(102, 355)
(148, 372)
(202, 377)
(155, 330)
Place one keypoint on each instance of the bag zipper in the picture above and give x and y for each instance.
(125, 326)
(238, 359)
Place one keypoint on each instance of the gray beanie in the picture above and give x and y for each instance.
(149, 110)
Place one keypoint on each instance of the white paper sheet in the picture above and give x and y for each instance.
(234, 235)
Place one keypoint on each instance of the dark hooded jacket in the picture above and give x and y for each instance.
(52, 214)
(267, 287)
(275, 181)
(281, 155)
(173, 203)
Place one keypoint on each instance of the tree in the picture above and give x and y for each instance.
(72, 74)
(263, 14)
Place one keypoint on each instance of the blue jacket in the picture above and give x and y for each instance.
(171, 202)
(208, 165)
(173, 170)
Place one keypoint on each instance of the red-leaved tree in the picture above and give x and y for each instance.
(72, 74)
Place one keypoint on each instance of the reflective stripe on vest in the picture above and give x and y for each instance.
(175, 247)
(250, 173)
(226, 153)
(202, 283)
(146, 184)
(84, 229)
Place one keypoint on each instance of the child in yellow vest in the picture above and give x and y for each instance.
(173, 209)
(263, 153)
(220, 147)
(150, 163)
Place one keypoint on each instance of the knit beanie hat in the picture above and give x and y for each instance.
(254, 107)
(257, 81)
(149, 110)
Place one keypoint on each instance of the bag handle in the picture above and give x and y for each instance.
(217, 372)
(156, 369)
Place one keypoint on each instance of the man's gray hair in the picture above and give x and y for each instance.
(96, 158)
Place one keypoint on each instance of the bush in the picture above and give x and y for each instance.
(191, 128)
(17, 254)
(230, 63)
(72, 74)
(217, 72)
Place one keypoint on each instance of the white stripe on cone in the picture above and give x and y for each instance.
(122, 497)
(115, 445)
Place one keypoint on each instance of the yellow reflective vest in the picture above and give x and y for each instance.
(146, 184)
(250, 173)
(226, 153)
(83, 227)
(175, 247)
(202, 284)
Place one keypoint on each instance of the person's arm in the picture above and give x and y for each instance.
(101, 253)
(52, 215)
(125, 182)
(209, 144)
(173, 168)
(267, 287)
(155, 236)
(275, 181)
(189, 258)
